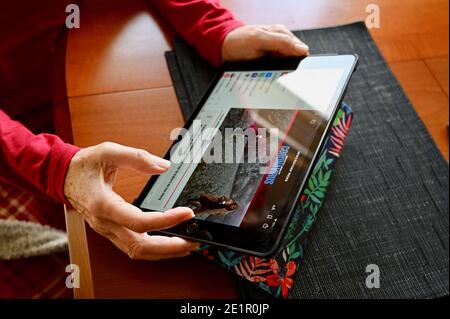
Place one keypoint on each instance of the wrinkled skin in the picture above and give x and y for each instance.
(88, 188)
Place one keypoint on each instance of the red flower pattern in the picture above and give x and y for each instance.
(270, 273)
(303, 198)
(339, 133)
(282, 277)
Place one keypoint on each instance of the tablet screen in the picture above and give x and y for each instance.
(249, 146)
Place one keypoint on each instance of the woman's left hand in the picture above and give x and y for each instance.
(253, 41)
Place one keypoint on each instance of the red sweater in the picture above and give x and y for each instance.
(38, 163)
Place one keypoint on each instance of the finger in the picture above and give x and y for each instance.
(138, 254)
(165, 247)
(116, 209)
(128, 157)
(145, 247)
(281, 43)
(282, 29)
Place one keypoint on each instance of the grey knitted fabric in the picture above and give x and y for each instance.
(388, 203)
(20, 239)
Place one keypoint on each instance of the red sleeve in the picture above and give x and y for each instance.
(37, 163)
(203, 23)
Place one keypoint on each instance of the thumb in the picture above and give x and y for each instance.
(128, 157)
(282, 43)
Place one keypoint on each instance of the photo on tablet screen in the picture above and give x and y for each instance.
(223, 192)
(249, 191)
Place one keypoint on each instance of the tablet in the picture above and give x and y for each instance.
(244, 157)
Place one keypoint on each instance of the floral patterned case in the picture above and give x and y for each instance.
(275, 275)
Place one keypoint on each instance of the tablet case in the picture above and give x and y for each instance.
(275, 275)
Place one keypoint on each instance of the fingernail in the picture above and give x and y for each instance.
(302, 47)
(165, 164)
(192, 214)
(194, 247)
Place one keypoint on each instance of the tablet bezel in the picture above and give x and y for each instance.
(248, 241)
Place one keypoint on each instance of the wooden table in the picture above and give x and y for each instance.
(119, 90)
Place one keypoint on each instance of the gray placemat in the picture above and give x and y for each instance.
(388, 203)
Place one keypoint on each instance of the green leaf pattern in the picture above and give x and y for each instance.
(296, 236)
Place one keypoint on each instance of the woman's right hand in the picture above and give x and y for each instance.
(88, 188)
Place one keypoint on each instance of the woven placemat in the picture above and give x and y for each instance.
(388, 203)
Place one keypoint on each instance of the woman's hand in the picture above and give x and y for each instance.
(88, 188)
(252, 42)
